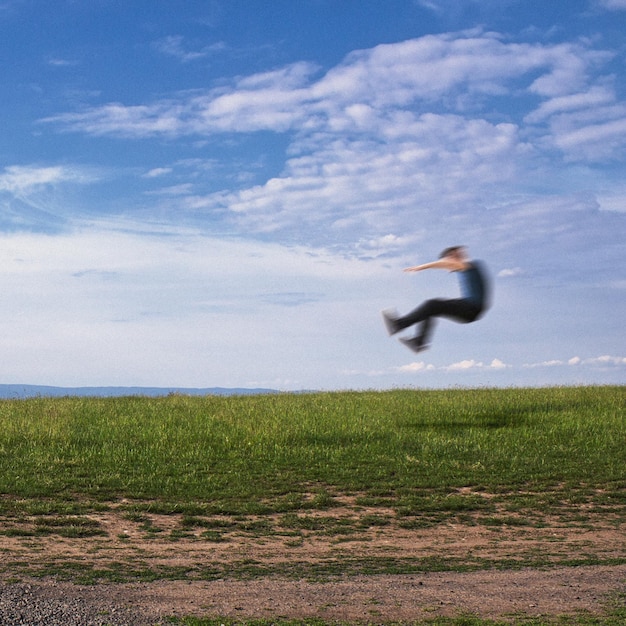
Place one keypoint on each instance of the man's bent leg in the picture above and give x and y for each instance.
(459, 310)
(424, 316)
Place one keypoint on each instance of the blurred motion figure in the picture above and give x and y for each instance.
(474, 300)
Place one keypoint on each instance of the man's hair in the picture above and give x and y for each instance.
(451, 250)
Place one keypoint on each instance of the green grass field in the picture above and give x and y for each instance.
(260, 454)
(425, 455)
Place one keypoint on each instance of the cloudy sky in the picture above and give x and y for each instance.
(225, 192)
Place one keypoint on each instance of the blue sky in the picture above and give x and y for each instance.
(225, 192)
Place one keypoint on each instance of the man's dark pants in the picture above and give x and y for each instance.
(458, 309)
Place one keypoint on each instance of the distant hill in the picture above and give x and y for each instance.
(36, 391)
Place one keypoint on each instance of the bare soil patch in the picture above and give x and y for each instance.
(334, 565)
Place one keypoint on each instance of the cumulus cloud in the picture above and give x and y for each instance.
(417, 366)
(597, 95)
(606, 361)
(451, 72)
(498, 364)
(576, 361)
(396, 150)
(469, 365)
(392, 135)
(395, 139)
(510, 272)
(464, 365)
(550, 363)
(269, 101)
(461, 366)
(591, 136)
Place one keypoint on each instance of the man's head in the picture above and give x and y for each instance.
(456, 252)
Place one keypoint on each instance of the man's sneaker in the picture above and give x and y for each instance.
(414, 343)
(390, 318)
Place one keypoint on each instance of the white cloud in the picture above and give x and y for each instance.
(365, 188)
(268, 101)
(455, 71)
(606, 361)
(158, 171)
(123, 307)
(497, 364)
(613, 198)
(18, 179)
(392, 153)
(387, 245)
(412, 368)
(551, 363)
(33, 197)
(597, 95)
(464, 365)
(613, 5)
(510, 272)
(173, 45)
(461, 366)
(58, 62)
(393, 138)
(592, 139)
(576, 361)
(184, 189)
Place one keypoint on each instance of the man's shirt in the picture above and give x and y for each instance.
(474, 285)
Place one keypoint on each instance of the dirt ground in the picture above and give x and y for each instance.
(517, 570)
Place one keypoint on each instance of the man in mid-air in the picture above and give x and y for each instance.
(474, 300)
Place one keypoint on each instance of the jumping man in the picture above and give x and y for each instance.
(469, 308)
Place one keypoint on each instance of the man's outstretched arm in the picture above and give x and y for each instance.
(447, 263)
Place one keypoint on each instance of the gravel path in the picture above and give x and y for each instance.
(53, 604)
(497, 594)
(491, 594)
